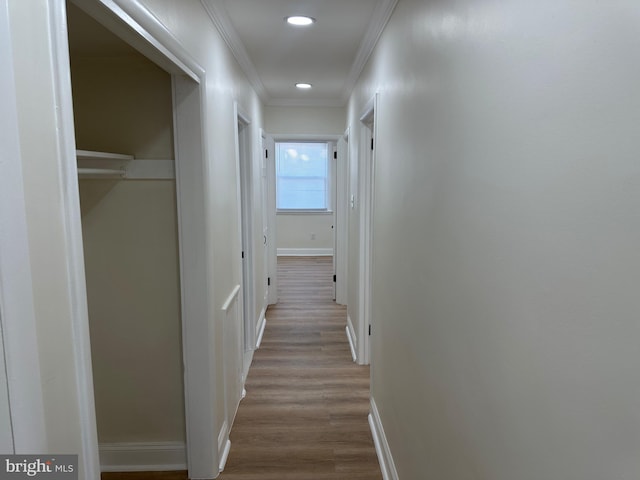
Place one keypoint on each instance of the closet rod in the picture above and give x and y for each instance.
(91, 155)
(100, 173)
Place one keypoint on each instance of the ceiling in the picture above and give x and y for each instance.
(330, 54)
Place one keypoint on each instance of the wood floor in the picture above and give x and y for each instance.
(305, 413)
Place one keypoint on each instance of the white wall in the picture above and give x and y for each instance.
(295, 231)
(304, 231)
(21, 409)
(122, 105)
(133, 292)
(305, 120)
(506, 224)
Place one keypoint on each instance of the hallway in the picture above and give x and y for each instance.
(305, 413)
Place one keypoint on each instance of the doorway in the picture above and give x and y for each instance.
(198, 451)
(367, 172)
(268, 186)
(245, 192)
(313, 231)
(341, 216)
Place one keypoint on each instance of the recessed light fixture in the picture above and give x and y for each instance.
(300, 21)
(303, 86)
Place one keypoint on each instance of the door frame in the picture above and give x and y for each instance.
(340, 256)
(132, 22)
(334, 222)
(338, 234)
(197, 307)
(269, 175)
(244, 174)
(368, 138)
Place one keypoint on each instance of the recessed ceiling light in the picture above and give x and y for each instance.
(300, 21)
(303, 86)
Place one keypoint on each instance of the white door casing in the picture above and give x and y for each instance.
(341, 212)
(269, 200)
(73, 248)
(334, 206)
(200, 380)
(132, 22)
(245, 202)
(367, 163)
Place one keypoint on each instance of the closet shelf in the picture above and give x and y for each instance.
(97, 165)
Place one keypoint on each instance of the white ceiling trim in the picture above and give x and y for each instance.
(220, 19)
(381, 16)
(305, 102)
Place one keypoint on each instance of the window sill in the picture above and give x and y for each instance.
(304, 212)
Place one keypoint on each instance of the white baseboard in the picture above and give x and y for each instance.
(143, 457)
(224, 444)
(387, 466)
(262, 323)
(246, 365)
(225, 455)
(351, 345)
(305, 252)
(353, 339)
(223, 436)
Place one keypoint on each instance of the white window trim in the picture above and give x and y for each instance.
(332, 140)
(285, 211)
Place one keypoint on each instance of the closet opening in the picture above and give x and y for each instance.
(142, 190)
(123, 117)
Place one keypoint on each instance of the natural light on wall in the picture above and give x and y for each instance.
(302, 171)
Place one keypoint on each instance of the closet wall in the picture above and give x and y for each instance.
(122, 104)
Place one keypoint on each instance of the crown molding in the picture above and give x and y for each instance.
(305, 102)
(220, 19)
(379, 20)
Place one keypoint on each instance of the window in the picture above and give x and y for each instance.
(302, 176)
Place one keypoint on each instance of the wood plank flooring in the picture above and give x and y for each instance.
(305, 413)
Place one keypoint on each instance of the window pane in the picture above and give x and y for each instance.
(301, 172)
